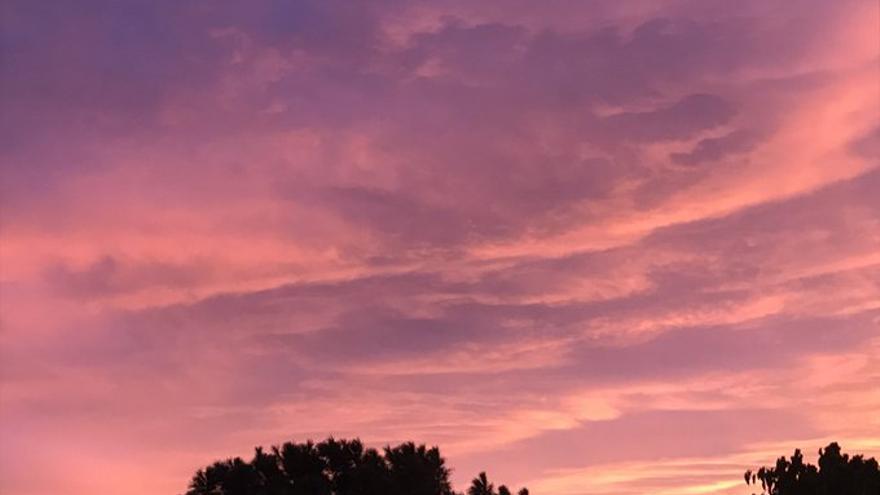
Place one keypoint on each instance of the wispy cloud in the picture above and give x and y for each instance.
(597, 247)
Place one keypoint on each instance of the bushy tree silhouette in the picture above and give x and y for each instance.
(417, 470)
(837, 474)
(333, 467)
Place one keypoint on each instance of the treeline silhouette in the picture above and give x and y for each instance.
(346, 467)
(336, 467)
(837, 474)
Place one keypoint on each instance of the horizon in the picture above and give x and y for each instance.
(588, 247)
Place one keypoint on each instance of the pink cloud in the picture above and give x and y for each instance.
(558, 243)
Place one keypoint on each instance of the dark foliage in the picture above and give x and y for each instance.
(837, 474)
(481, 486)
(334, 467)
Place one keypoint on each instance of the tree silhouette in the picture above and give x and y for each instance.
(837, 474)
(481, 486)
(418, 470)
(334, 467)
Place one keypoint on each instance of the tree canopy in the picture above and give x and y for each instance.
(346, 467)
(335, 467)
(836, 474)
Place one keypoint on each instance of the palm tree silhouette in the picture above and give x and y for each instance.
(481, 486)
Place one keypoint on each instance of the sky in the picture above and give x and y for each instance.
(593, 247)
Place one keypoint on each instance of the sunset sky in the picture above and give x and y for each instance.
(592, 247)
